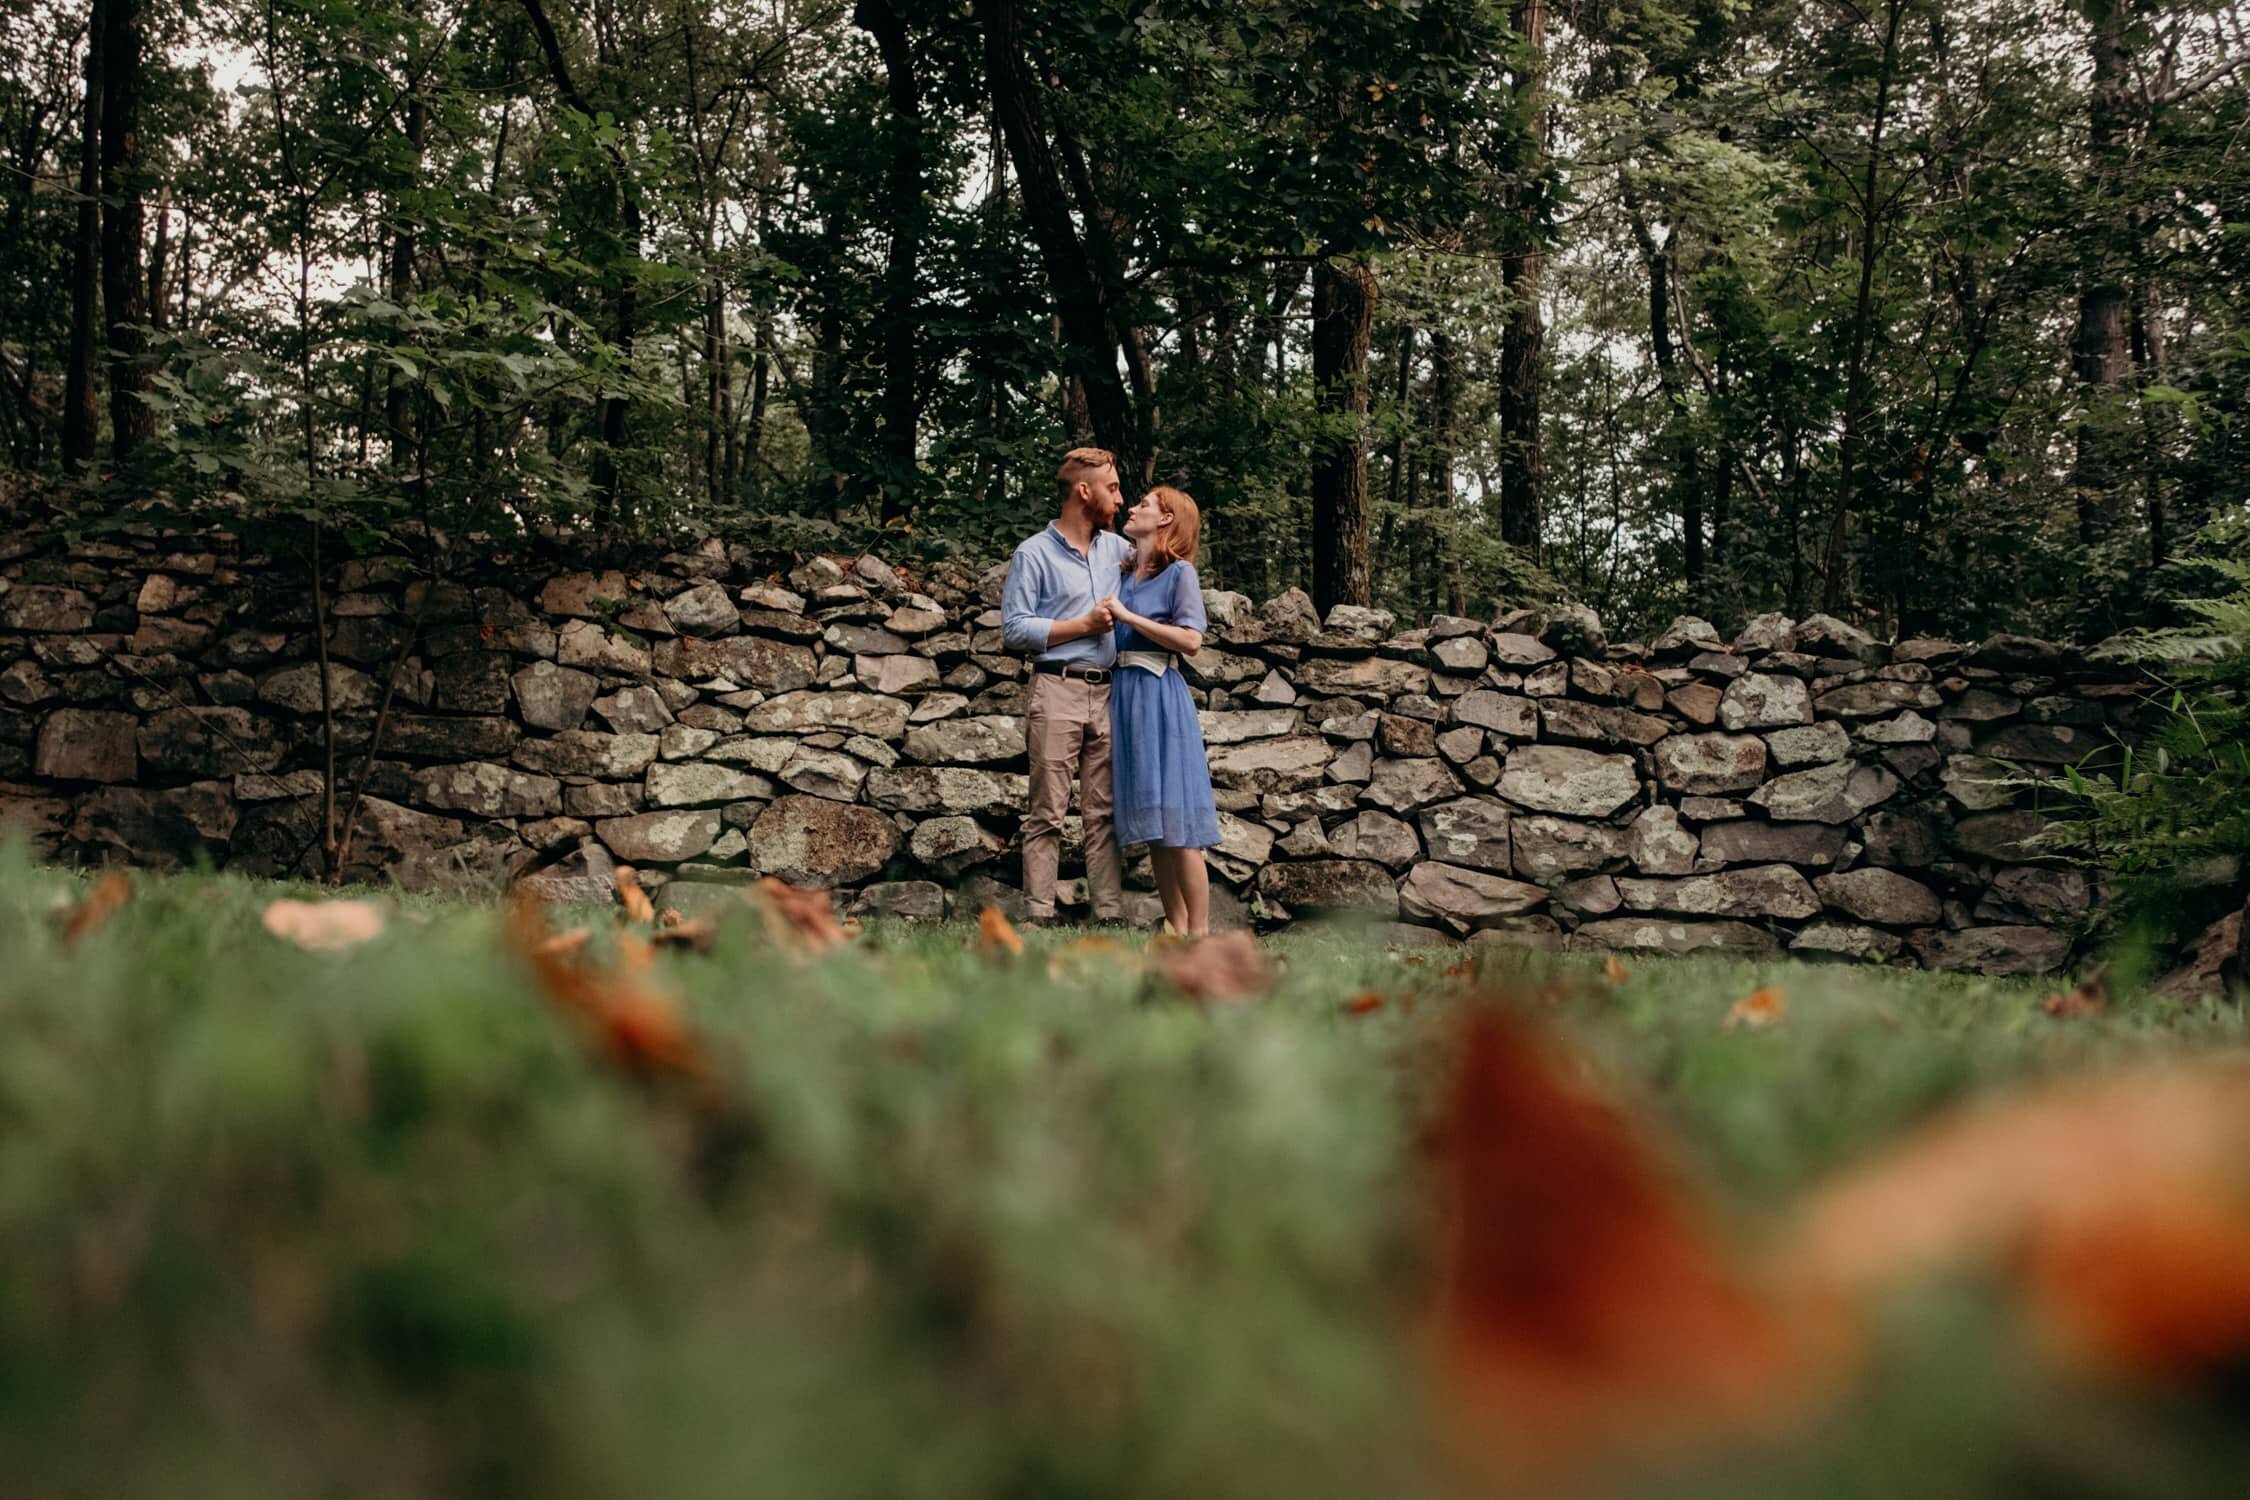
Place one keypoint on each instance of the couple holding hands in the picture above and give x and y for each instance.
(1105, 618)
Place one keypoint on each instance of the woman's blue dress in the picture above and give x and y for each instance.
(1160, 774)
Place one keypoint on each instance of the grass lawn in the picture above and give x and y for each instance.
(284, 1223)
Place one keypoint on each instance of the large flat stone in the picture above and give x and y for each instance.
(975, 740)
(1746, 891)
(165, 827)
(1402, 785)
(1471, 831)
(1463, 897)
(1663, 935)
(824, 773)
(699, 783)
(870, 714)
(552, 697)
(813, 841)
(750, 661)
(1993, 950)
(1765, 700)
(1874, 894)
(1502, 713)
(659, 837)
(1710, 764)
(1746, 841)
(1378, 836)
(1835, 793)
(1272, 765)
(1599, 724)
(587, 752)
(1567, 780)
(487, 791)
(1549, 850)
(953, 844)
(297, 688)
(1330, 885)
(86, 744)
(583, 643)
(1658, 844)
(947, 789)
(1367, 677)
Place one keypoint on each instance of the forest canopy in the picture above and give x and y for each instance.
(1934, 316)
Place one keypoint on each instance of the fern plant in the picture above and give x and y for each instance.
(2174, 816)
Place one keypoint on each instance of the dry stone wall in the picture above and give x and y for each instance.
(710, 716)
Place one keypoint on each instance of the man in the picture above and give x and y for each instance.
(1053, 610)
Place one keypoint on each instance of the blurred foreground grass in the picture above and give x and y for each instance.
(375, 1224)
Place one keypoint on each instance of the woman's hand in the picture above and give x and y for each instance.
(1120, 613)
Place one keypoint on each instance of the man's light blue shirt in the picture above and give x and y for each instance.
(1048, 579)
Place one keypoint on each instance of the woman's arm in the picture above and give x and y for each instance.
(1184, 639)
(1187, 640)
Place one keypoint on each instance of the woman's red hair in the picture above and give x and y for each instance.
(1176, 542)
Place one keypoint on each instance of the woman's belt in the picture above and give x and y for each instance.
(1155, 663)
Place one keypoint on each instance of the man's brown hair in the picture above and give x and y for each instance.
(1080, 462)
(1177, 541)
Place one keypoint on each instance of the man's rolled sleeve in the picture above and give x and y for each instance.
(1022, 629)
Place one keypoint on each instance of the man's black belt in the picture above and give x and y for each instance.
(1095, 675)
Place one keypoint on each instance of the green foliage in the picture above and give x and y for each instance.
(376, 1223)
(2173, 818)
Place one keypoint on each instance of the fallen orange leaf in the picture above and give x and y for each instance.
(1218, 966)
(1364, 1002)
(803, 919)
(323, 926)
(633, 1024)
(2158, 1288)
(111, 891)
(1584, 1306)
(996, 935)
(2122, 1200)
(2089, 997)
(1613, 969)
(1758, 1009)
(638, 908)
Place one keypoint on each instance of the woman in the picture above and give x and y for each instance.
(1160, 773)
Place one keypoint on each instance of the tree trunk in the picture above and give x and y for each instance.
(606, 475)
(398, 394)
(1089, 350)
(904, 216)
(81, 401)
(131, 421)
(1445, 440)
(1679, 446)
(2099, 357)
(1858, 380)
(1344, 295)
(1523, 341)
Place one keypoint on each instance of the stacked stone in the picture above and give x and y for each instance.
(711, 720)
(1803, 787)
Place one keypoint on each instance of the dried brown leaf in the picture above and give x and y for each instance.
(996, 935)
(1586, 1308)
(2117, 1199)
(1758, 1010)
(1220, 966)
(638, 908)
(323, 926)
(110, 893)
(2089, 997)
(800, 919)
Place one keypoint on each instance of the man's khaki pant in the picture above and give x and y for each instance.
(1067, 732)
